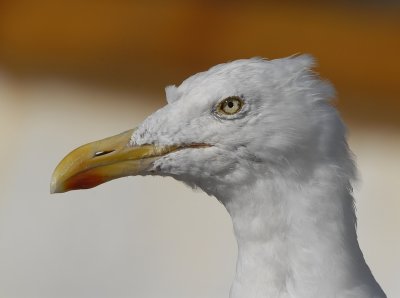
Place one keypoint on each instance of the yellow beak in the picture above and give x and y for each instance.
(101, 161)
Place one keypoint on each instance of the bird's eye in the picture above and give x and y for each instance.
(230, 105)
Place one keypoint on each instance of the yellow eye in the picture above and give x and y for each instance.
(230, 105)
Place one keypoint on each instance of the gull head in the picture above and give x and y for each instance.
(221, 129)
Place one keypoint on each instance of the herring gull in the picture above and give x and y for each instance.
(260, 136)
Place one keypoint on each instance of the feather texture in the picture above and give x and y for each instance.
(281, 167)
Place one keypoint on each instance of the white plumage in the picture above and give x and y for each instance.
(280, 165)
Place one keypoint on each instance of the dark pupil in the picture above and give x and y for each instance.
(230, 104)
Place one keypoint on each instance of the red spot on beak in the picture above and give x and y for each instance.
(84, 180)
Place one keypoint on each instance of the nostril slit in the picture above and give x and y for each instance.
(100, 153)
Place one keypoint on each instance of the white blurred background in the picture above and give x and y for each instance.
(63, 84)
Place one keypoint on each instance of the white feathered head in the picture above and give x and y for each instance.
(223, 127)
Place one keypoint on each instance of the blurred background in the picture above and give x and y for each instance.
(76, 71)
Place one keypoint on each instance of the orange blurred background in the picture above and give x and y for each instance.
(73, 71)
(148, 44)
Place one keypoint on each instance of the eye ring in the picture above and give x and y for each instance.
(230, 106)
